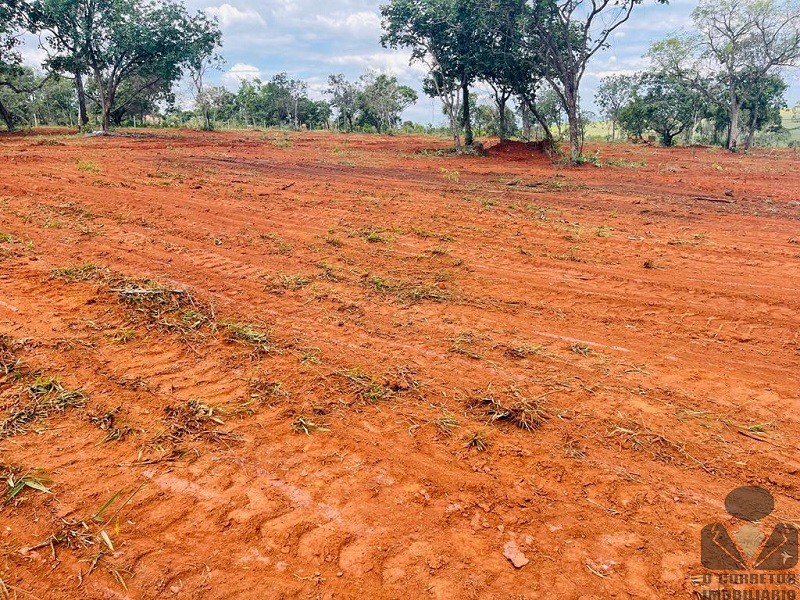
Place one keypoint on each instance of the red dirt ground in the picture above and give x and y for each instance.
(652, 336)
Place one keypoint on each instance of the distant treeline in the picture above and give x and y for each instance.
(117, 62)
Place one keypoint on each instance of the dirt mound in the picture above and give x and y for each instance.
(514, 150)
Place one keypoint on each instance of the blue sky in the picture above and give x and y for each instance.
(310, 39)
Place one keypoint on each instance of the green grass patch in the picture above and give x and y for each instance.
(83, 272)
(87, 166)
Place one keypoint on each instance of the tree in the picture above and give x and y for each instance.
(10, 59)
(739, 45)
(522, 70)
(383, 100)
(32, 99)
(197, 71)
(54, 101)
(501, 93)
(549, 112)
(447, 90)
(661, 103)
(221, 103)
(314, 113)
(297, 91)
(505, 64)
(566, 34)
(345, 98)
(281, 102)
(247, 101)
(448, 35)
(67, 29)
(489, 122)
(119, 41)
(145, 101)
(763, 104)
(16, 97)
(485, 119)
(612, 94)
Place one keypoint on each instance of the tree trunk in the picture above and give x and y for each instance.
(452, 111)
(83, 117)
(105, 122)
(575, 149)
(751, 134)
(467, 117)
(7, 117)
(548, 135)
(526, 122)
(108, 107)
(106, 93)
(733, 112)
(613, 129)
(573, 118)
(501, 106)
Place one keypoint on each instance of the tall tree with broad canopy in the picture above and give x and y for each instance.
(511, 63)
(448, 35)
(566, 34)
(114, 42)
(663, 104)
(763, 106)
(739, 45)
(66, 30)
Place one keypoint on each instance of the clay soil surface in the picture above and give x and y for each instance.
(270, 365)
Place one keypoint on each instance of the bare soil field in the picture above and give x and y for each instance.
(271, 365)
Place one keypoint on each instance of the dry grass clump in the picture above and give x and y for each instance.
(446, 424)
(47, 396)
(197, 420)
(18, 480)
(477, 440)
(305, 424)
(167, 308)
(107, 421)
(82, 272)
(512, 407)
(11, 367)
(634, 435)
(366, 387)
(408, 290)
(249, 335)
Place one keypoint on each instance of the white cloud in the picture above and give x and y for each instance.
(391, 63)
(358, 23)
(33, 56)
(614, 65)
(240, 72)
(230, 16)
(317, 86)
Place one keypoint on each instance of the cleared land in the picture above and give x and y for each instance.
(263, 365)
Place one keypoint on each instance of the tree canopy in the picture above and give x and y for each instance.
(736, 50)
(126, 47)
(512, 44)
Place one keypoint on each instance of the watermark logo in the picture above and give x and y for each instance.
(748, 560)
(750, 547)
